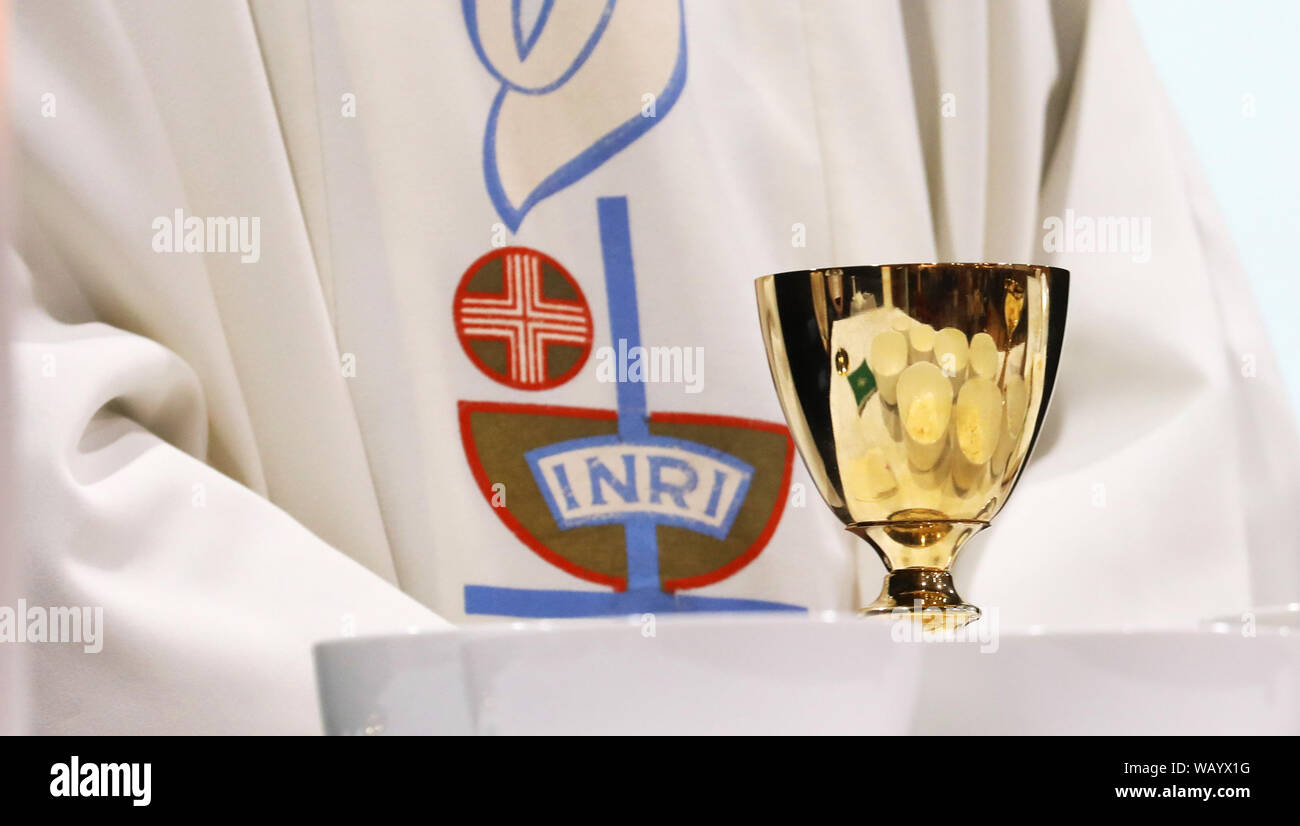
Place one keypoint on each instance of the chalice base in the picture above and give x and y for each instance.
(925, 594)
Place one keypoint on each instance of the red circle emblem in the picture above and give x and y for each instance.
(522, 319)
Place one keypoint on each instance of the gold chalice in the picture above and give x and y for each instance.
(915, 393)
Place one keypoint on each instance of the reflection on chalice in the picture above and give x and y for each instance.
(915, 393)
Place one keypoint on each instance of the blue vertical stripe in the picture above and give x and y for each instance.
(625, 326)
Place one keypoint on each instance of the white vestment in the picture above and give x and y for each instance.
(237, 458)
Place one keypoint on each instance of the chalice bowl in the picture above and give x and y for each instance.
(915, 393)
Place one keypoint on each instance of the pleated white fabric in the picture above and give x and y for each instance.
(152, 431)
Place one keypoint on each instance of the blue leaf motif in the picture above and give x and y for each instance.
(546, 72)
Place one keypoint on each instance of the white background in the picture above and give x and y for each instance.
(1210, 54)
